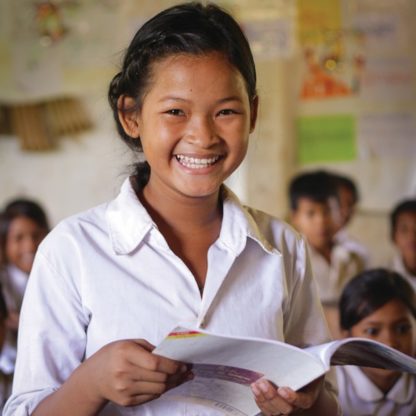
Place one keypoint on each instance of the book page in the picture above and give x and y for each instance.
(224, 368)
(365, 353)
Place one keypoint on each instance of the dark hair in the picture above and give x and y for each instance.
(318, 186)
(342, 181)
(369, 291)
(21, 207)
(408, 205)
(189, 28)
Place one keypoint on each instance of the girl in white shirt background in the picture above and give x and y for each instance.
(175, 246)
(378, 304)
(23, 225)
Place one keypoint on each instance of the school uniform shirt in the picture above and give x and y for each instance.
(354, 246)
(14, 282)
(398, 266)
(108, 274)
(332, 276)
(359, 396)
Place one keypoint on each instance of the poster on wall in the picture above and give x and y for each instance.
(357, 64)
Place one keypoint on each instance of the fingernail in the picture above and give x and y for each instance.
(285, 393)
(255, 389)
(263, 386)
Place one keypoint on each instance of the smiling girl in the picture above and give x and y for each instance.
(176, 245)
(23, 225)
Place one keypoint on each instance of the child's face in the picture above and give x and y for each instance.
(316, 220)
(405, 237)
(346, 205)
(23, 239)
(194, 124)
(393, 325)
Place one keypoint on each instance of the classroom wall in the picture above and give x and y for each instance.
(87, 169)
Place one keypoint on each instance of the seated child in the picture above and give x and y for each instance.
(403, 234)
(315, 214)
(378, 304)
(5, 379)
(348, 197)
(23, 225)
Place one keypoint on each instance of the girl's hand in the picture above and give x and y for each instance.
(283, 400)
(128, 374)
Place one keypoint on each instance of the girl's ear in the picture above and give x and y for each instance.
(127, 116)
(253, 115)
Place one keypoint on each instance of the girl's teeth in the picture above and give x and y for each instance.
(196, 163)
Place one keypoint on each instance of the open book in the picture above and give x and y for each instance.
(225, 366)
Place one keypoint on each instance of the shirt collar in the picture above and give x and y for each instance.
(129, 222)
(402, 392)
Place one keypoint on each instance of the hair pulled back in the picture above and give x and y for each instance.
(189, 28)
(369, 291)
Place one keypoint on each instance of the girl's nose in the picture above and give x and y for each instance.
(202, 132)
(389, 338)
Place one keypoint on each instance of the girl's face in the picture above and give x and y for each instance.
(393, 325)
(23, 239)
(194, 124)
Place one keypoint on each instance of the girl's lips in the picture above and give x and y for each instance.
(194, 162)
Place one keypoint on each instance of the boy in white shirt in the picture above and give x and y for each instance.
(403, 234)
(315, 213)
(349, 197)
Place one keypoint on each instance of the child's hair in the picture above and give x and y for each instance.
(408, 205)
(189, 28)
(348, 183)
(369, 291)
(19, 208)
(318, 186)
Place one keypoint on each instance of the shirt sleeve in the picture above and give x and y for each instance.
(52, 336)
(304, 319)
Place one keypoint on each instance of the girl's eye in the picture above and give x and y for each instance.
(372, 332)
(175, 112)
(227, 112)
(403, 328)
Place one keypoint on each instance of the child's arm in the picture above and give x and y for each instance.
(124, 372)
(313, 399)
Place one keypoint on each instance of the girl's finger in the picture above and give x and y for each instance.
(141, 374)
(141, 357)
(146, 387)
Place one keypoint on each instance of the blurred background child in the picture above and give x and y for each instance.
(403, 234)
(5, 380)
(315, 213)
(23, 225)
(348, 197)
(378, 304)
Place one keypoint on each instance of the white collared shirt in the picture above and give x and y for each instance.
(14, 282)
(359, 396)
(397, 264)
(331, 277)
(354, 246)
(108, 274)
